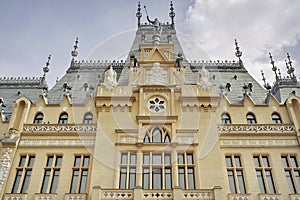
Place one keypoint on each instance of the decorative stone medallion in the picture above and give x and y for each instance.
(157, 104)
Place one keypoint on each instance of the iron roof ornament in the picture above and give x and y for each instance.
(274, 68)
(139, 14)
(172, 15)
(74, 53)
(238, 53)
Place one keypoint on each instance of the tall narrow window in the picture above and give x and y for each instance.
(51, 174)
(128, 171)
(38, 118)
(157, 171)
(292, 172)
(276, 118)
(264, 174)
(225, 118)
(63, 118)
(186, 176)
(80, 174)
(23, 174)
(235, 174)
(88, 118)
(251, 118)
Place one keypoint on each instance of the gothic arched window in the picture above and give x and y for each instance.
(38, 118)
(276, 118)
(225, 118)
(63, 118)
(251, 118)
(157, 135)
(88, 118)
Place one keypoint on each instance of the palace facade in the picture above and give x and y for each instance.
(154, 126)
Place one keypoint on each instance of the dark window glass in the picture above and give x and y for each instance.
(124, 158)
(132, 158)
(123, 175)
(146, 159)
(156, 159)
(167, 159)
(146, 139)
(241, 182)
(54, 181)
(237, 161)
(156, 136)
(251, 119)
(74, 182)
(156, 179)
(191, 182)
(86, 161)
(228, 161)
(270, 182)
(88, 118)
(225, 118)
(77, 161)
(290, 181)
(181, 177)
(285, 161)
(38, 118)
(256, 161)
(45, 181)
(168, 178)
(189, 159)
(146, 178)
(294, 161)
(63, 118)
(58, 161)
(83, 181)
(167, 139)
(276, 118)
(26, 181)
(261, 181)
(22, 161)
(49, 161)
(231, 181)
(131, 178)
(17, 182)
(265, 161)
(180, 159)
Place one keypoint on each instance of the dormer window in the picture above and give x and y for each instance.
(63, 118)
(225, 118)
(88, 118)
(251, 118)
(38, 118)
(276, 118)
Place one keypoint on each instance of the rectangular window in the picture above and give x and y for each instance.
(264, 174)
(291, 169)
(157, 171)
(235, 174)
(23, 174)
(186, 176)
(51, 174)
(80, 174)
(128, 171)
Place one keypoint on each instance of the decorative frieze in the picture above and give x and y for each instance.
(59, 128)
(258, 143)
(57, 143)
(242, 128)
(117, 195)
(75, 197)
(198, 195)
(158, 195)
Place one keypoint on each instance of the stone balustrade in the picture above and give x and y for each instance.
(45, 197)
(59, 128)
(256, 128)
(75, 197)
(15, 197)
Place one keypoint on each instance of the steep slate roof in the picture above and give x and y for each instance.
(12, 88)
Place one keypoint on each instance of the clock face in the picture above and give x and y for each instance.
(157, 104)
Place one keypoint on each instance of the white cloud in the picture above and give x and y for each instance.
(259, 26)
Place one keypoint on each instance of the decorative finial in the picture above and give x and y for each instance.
(139, 14)
(74, 53)
(266, 85)
(238, 53)
(291, 69)
(46, 68)
(172, 15)
(279, 74)
(274, 68)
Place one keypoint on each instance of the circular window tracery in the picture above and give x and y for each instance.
(157, 105)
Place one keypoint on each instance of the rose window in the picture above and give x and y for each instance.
(157, 105)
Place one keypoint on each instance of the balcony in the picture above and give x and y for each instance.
(15, 197)
(239, 196)
(140, 194)
(61, 128)
(75, 197)
(294, 196)
(269, 197)
(255, 128)
(45, 197)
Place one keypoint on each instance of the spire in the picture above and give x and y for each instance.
(274, 68)
(74, 53)
(172, 15)
(290, 67)
(139, 14)
(238, 53)
(46, 68)
(266, 85)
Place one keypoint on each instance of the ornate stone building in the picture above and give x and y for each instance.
(152, 127)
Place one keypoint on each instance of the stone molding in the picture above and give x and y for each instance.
(59, 128)
(258, 143)
(4, 165)
(246, 128)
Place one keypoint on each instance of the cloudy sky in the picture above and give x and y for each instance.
(33, 29)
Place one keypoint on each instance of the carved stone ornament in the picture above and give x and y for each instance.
(110, 79)
(157, 76)
(203, 79)
(4, 165)
(13, 133)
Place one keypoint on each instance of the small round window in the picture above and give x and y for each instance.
(157, 104)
